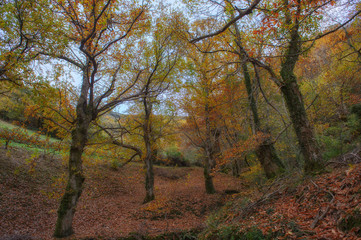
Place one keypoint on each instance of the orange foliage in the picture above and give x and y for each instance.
(241, 148)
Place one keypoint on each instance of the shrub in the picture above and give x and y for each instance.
(172, 157)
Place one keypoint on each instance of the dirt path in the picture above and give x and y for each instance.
(111, 203)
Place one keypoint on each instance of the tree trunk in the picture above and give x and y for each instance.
(149, 151)
(295, 105)
(79, 138)
(236, 167)
(301, 126)
(208, 177)
(266, 152)
(149, 176)
(74, 187)
(269, 159)
(209, 161)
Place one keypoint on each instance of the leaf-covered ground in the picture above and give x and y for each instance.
(111, 203)
(293, 207)
(320, 207)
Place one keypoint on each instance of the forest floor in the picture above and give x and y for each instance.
(111, 203)
(325, 206)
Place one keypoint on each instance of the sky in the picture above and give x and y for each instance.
(335, 15)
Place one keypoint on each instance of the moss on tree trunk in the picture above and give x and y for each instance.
(295, 104)
(150, 153)
(63, 227)
(208, 178)
(302, 127)
(269, 159)
(149, 178)
(266, 152)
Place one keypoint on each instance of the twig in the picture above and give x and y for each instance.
(320, 215)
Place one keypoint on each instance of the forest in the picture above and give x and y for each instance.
(208, 119)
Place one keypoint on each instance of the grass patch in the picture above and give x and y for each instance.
(6, 125)
(30, 148)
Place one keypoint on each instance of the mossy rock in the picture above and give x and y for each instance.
(356, 109)
(351, 221)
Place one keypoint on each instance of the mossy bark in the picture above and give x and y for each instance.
(266, 152)
(210, 148)
(74, 186)
(302, 127)
(79, 138)
(210, 189)
(269, 159)
(150, 152)
(295, 106)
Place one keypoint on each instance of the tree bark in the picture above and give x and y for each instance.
(269, 159)
(149, 175)
(79, 138)
(236, 167)
(209, 161)
(76, 178)
(208, 177)
(149, 151)
(295, 104)
(266, 152)
(149, 180)
(301, 125)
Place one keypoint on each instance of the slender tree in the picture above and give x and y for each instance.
(203, 125)
(158, 79)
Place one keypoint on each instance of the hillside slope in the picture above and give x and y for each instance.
(327, 206)
(111, 203)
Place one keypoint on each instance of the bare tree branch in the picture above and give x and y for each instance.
(241, 14)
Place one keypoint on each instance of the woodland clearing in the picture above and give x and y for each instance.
(321, 207)
(111, 203)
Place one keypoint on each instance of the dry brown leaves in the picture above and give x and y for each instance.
(111, 203)
(313, 210)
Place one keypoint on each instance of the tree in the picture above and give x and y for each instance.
(100, 30)
(158, 70)
(159, 57)
(201, 106)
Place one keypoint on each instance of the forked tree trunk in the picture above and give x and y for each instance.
(74, 186)
(266, 152)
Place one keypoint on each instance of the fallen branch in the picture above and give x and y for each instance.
(320, 215)
(250, 207)
(352, 157)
